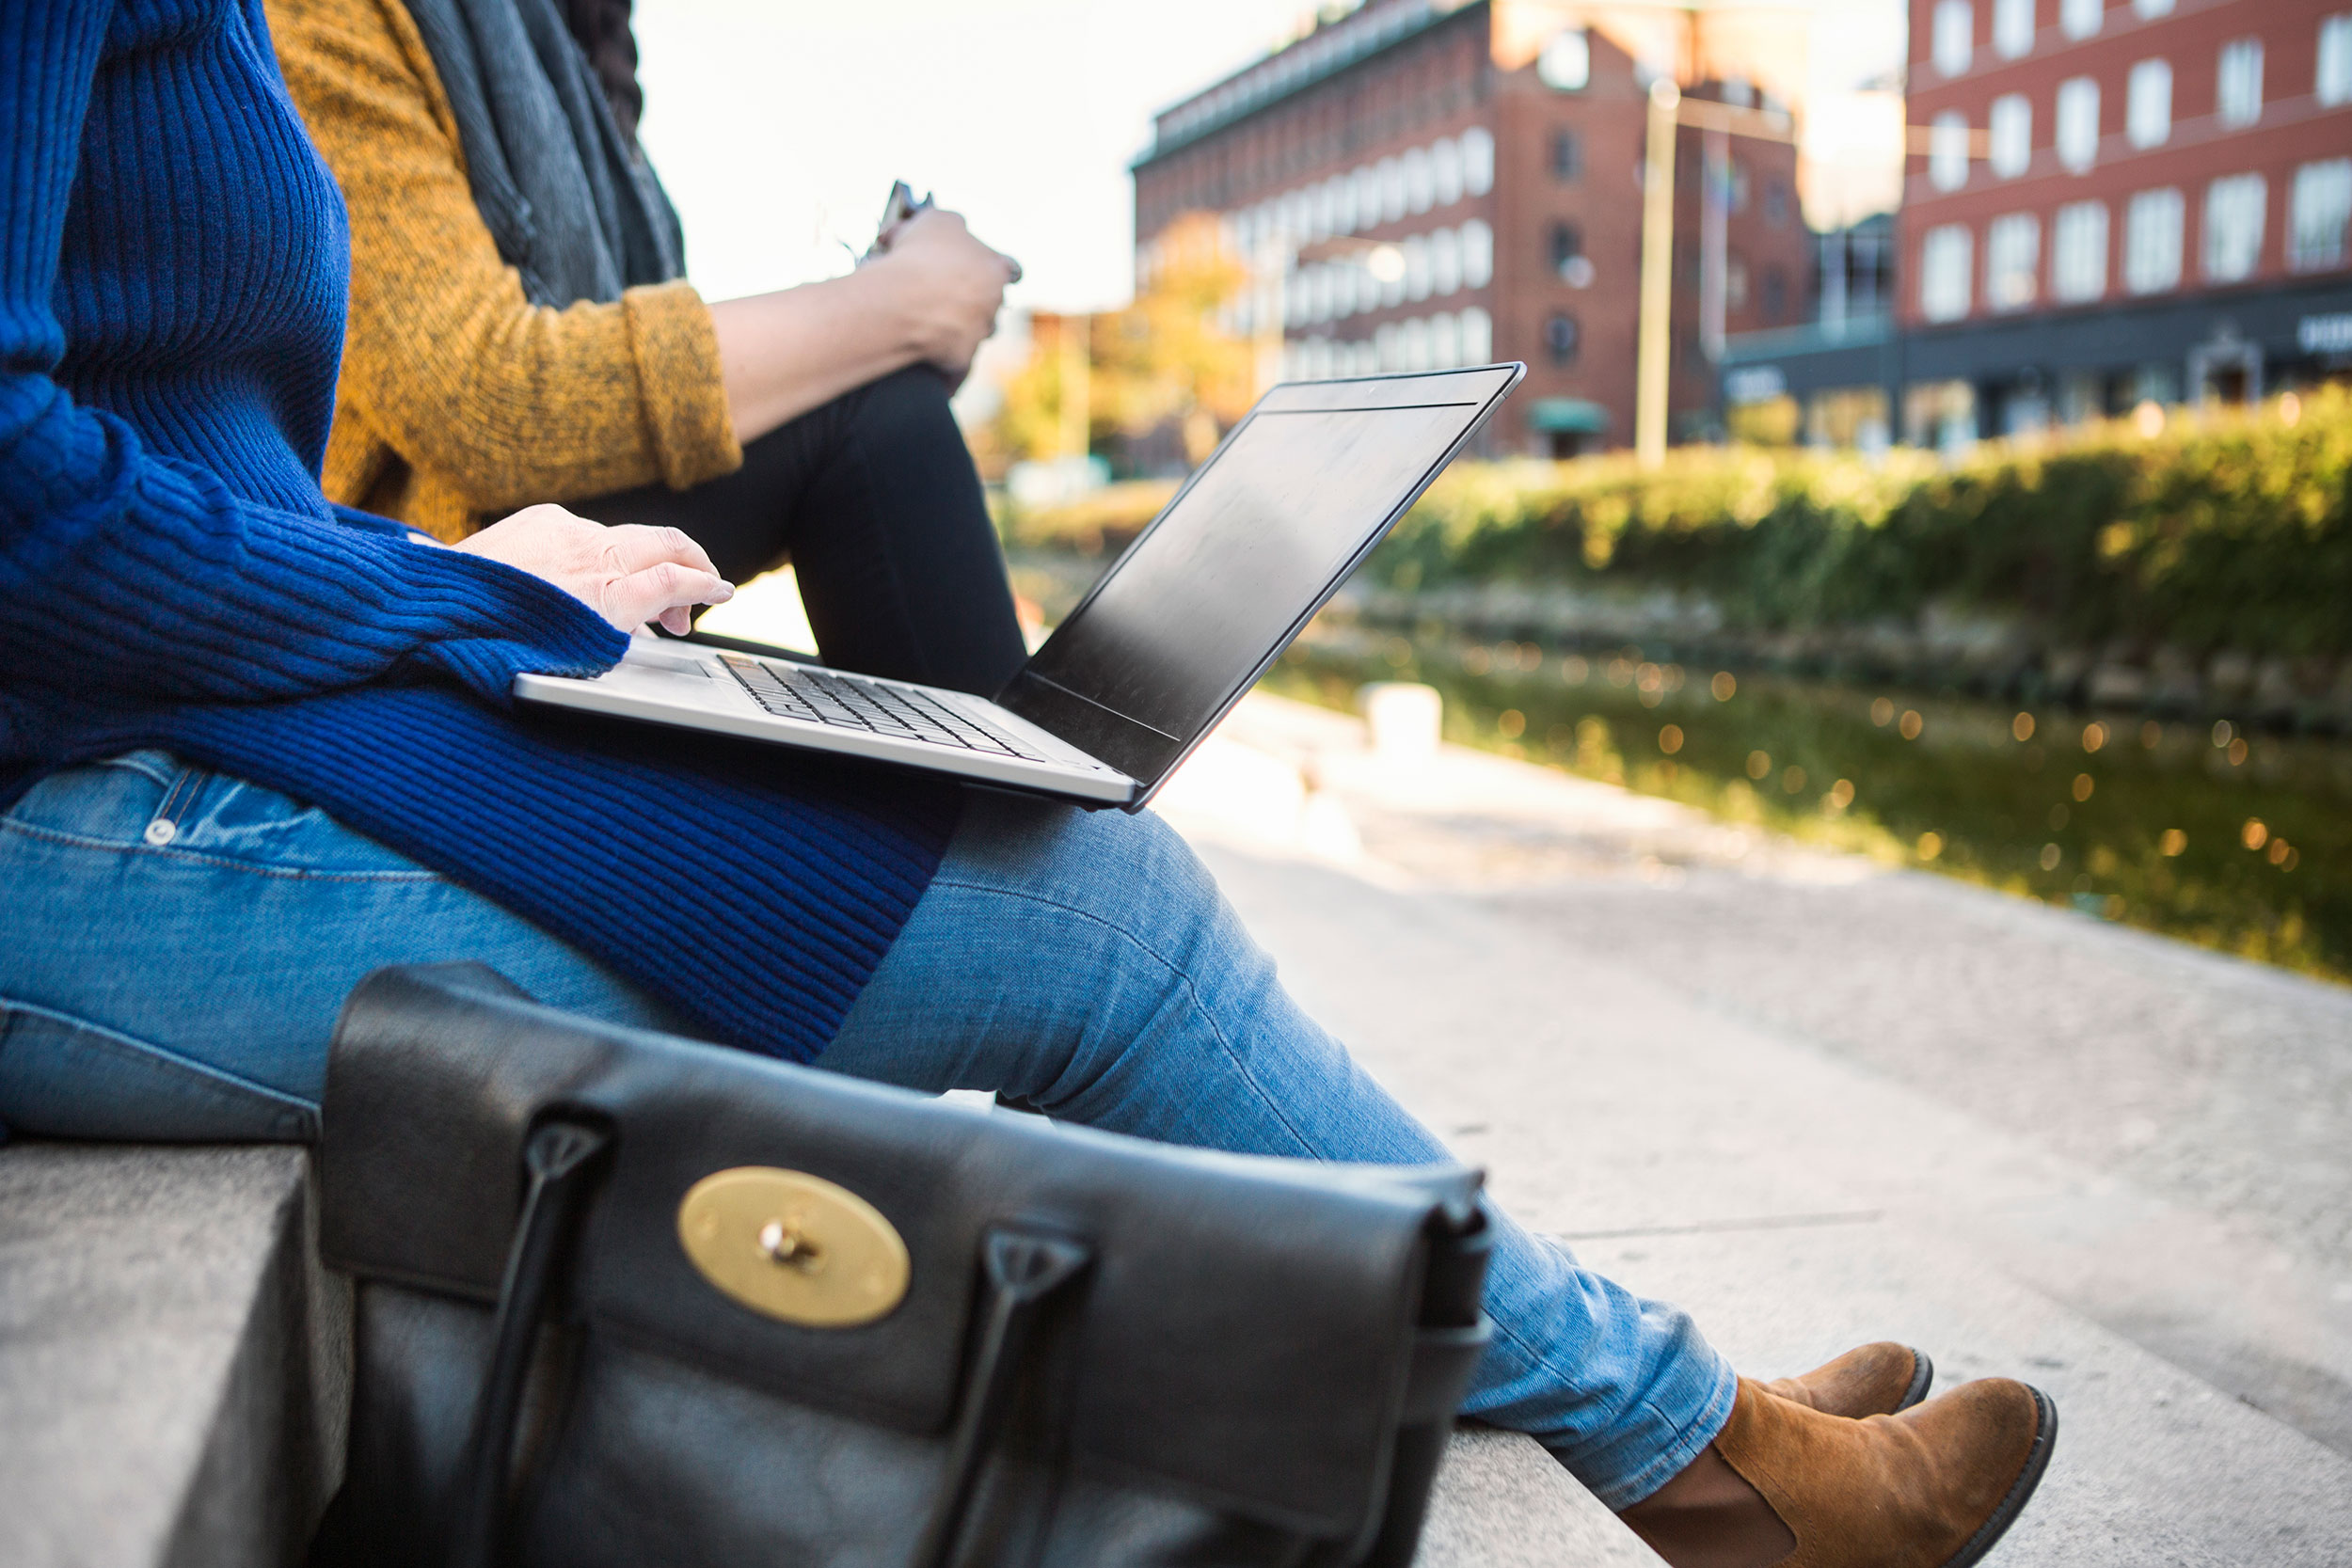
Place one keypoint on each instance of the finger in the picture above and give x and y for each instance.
(635, 548)
(629, 601)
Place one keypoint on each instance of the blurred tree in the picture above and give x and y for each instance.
(1168, 362)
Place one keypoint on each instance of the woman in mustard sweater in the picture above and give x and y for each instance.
(519, 332)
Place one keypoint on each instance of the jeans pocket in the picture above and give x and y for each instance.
(64, 1077)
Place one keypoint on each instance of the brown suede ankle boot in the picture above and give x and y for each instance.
(1874, 1380)
(1931, 1488)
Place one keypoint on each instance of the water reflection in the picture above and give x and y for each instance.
(2235, 841)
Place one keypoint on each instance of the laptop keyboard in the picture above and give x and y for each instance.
(821, 697)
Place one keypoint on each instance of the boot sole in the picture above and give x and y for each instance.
(2021, 1490)
(1922, 1379)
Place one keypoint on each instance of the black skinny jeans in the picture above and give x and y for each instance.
(874, 499)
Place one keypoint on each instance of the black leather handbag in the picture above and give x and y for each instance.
(624, 1299)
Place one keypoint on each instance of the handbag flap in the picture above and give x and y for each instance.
(1245, 1334)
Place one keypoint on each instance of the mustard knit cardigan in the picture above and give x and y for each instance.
(459, 400)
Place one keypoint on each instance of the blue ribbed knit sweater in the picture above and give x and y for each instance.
(173, 262)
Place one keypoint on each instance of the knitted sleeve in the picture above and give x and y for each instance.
(129, 577)
(502, 402)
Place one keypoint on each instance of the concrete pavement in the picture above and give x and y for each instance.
(1821, 1102)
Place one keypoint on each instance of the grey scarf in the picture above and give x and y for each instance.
(572, 205)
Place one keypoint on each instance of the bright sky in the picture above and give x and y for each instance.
(778, 125)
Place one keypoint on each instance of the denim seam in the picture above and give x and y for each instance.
(156, 775)
(202, 1069)
(1272, 1106)
(79, 841)
(1689, 1439)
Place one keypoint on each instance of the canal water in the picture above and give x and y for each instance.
(2235, 840)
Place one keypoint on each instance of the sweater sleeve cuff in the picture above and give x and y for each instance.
(679, 382)
(490, 621)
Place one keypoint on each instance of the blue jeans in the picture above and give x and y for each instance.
(174, 944)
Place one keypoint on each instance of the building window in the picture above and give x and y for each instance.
(1561, 339)
(1478, 254)
(1566, 64)
(1775, 293)
(1420, 187)
(1477, 330)
(1414, 344)
(1945, 260)
(1445, 343)
(1567, 157)
(2146, 8)
(1478, 161)
(2079, 123)
(2011, 135)
(1948, 151)
(2152, 242)
(2333, 82)
(1364, 188)
(1445, 262)
(1955, 35)
(1735, 283)
(2321, 209)
(1445, 170)
(1568, 244)
(2238, 83)
(2079, 252)
(2012, 258)
(2012, 27)
(2148, 103)
(1391, 175)
(1776, 203)
(2080, 19)
(1417, 269)
(2234, 226)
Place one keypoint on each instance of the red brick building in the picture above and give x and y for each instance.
(2126, 200)
(1417, 184)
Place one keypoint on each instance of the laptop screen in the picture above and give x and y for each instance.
(1199, 605)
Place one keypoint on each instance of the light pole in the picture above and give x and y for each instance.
(1655, 343)
(1654, 369)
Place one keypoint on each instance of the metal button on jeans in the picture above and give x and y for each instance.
(161, 831)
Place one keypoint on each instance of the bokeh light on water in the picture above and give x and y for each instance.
(2239, 841)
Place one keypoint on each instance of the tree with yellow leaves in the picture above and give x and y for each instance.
(1169, 359)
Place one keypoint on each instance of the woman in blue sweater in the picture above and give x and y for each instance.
(252, 747)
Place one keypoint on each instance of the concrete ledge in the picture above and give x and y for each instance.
(174, 1378)
(173, 1363)
(1502, 1502)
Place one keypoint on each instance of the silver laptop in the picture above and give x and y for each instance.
(1185, 623)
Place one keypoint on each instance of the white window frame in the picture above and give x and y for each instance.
(2147, 104)
(1947, 260)
(2152, 240)
(2146, 10)
(2237, 97)
(1953, 34)
(2013, 28)
(1947, 151)
(2081, 19)
(2012, 260)
(1445, 170)
(1478, 160)
(1475, 331)
(2078, 253)
(2010, 137)
(1421, 181)
(2235, 207)
(2319, 211)
(1478, 253)
(2076, 133)
(2332, 73)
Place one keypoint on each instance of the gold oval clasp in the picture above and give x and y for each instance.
(793, 1246)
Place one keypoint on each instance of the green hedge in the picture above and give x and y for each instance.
(2229, 529)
